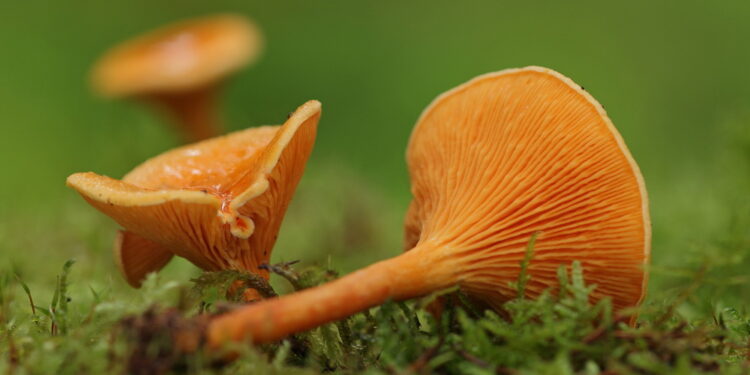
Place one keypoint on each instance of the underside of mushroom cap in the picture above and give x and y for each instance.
(177, 57)
(521, 151)
(219, 203)
(136, 256)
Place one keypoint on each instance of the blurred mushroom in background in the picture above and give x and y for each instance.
(179, 68)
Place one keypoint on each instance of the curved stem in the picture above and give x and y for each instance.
(195, 112)
(411, 274)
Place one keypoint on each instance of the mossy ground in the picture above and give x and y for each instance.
(559, 333)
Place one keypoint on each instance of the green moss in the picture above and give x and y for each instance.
(557, 333)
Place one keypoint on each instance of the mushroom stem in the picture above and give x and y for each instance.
(411, 274)
(195, 112)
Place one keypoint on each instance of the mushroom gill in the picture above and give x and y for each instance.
(492, 162)
(523, 151)
(218, 203)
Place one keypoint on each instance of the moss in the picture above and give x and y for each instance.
(558, 333)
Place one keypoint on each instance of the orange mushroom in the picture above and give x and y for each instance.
(492, 162)
(178, 68)
(218, 203)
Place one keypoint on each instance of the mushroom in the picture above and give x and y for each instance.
(178, 68)
(218, 203)
(492, 162)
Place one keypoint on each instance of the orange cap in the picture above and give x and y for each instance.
(219, 203)
(178, 57)
(520, 151)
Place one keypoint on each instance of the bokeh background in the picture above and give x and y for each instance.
(672, 75)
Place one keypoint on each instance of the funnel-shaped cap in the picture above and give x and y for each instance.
(219, 203)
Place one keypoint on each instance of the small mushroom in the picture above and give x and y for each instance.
(492, 162)
(179, 67)
(218, 203)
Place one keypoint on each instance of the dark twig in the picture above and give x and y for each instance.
(420, 363)
(285, 270)
(473, 359)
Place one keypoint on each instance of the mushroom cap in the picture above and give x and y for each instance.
(178, 57)
(219, 203)
(520, 151)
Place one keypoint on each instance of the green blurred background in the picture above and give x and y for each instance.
(672, 75)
